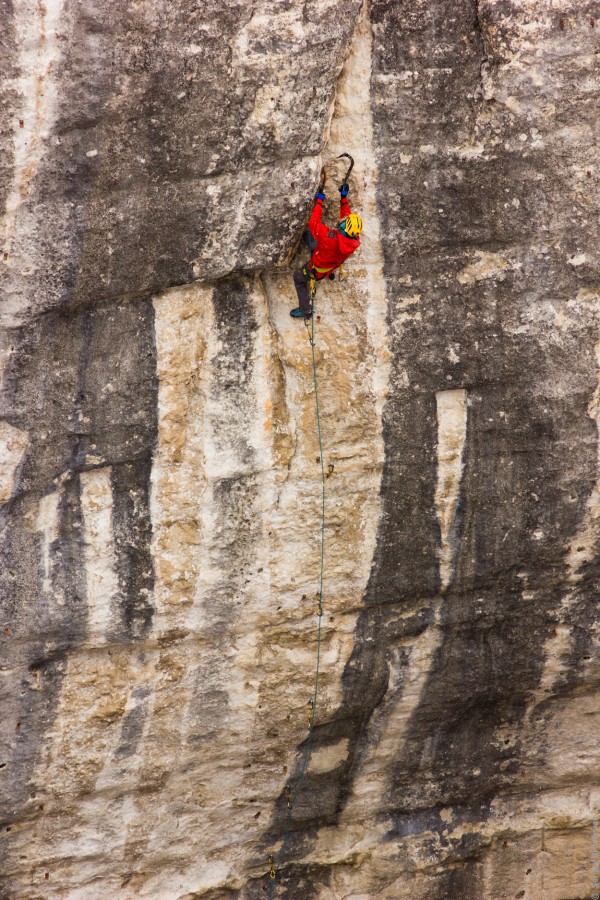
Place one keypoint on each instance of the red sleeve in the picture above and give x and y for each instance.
(315, 226)
(344, 208)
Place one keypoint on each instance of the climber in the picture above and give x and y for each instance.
(329, 248)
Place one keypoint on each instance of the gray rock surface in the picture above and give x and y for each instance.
(160, 498)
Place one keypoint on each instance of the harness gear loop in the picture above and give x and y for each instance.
(309, 274)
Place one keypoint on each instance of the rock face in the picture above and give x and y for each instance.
(160, 485)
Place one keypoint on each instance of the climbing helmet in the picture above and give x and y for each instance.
(353, 225)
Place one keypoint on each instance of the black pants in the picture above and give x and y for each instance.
(301, 284)
(301, 279)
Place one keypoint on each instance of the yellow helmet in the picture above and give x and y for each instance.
(353, 225)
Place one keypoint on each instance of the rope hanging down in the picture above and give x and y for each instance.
(313, 703)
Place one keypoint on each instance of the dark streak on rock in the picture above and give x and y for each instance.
(132, 529)
(83, 385)
(131, 732)
(529, 450)
(236, 495)
(8, 71)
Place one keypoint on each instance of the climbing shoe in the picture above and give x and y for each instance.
(298, 314)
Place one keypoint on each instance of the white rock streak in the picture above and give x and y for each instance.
(47, 524)
(35, 32)
(179, 508)
(451, 411)
(351, 131)
(13, 442)
(100, 568)
(203, 436)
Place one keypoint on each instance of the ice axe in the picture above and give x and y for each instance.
(350, 167)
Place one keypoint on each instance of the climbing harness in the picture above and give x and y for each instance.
(312, 703)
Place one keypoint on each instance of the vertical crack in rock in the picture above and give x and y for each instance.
(353, 371)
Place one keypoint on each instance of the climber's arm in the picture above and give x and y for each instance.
(344, 205)
(315, 226)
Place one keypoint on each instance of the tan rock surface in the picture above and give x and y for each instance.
(161, 504)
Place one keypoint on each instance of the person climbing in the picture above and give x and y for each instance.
(329, 248)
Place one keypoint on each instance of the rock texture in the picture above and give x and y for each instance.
(160, 493)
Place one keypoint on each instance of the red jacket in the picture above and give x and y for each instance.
(333, 247)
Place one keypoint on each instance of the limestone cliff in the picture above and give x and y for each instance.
(160, 487)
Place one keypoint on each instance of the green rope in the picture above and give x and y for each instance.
(306, 758)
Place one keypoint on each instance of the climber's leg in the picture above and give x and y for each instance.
(303, 291)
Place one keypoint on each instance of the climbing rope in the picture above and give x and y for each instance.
(312, 703)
